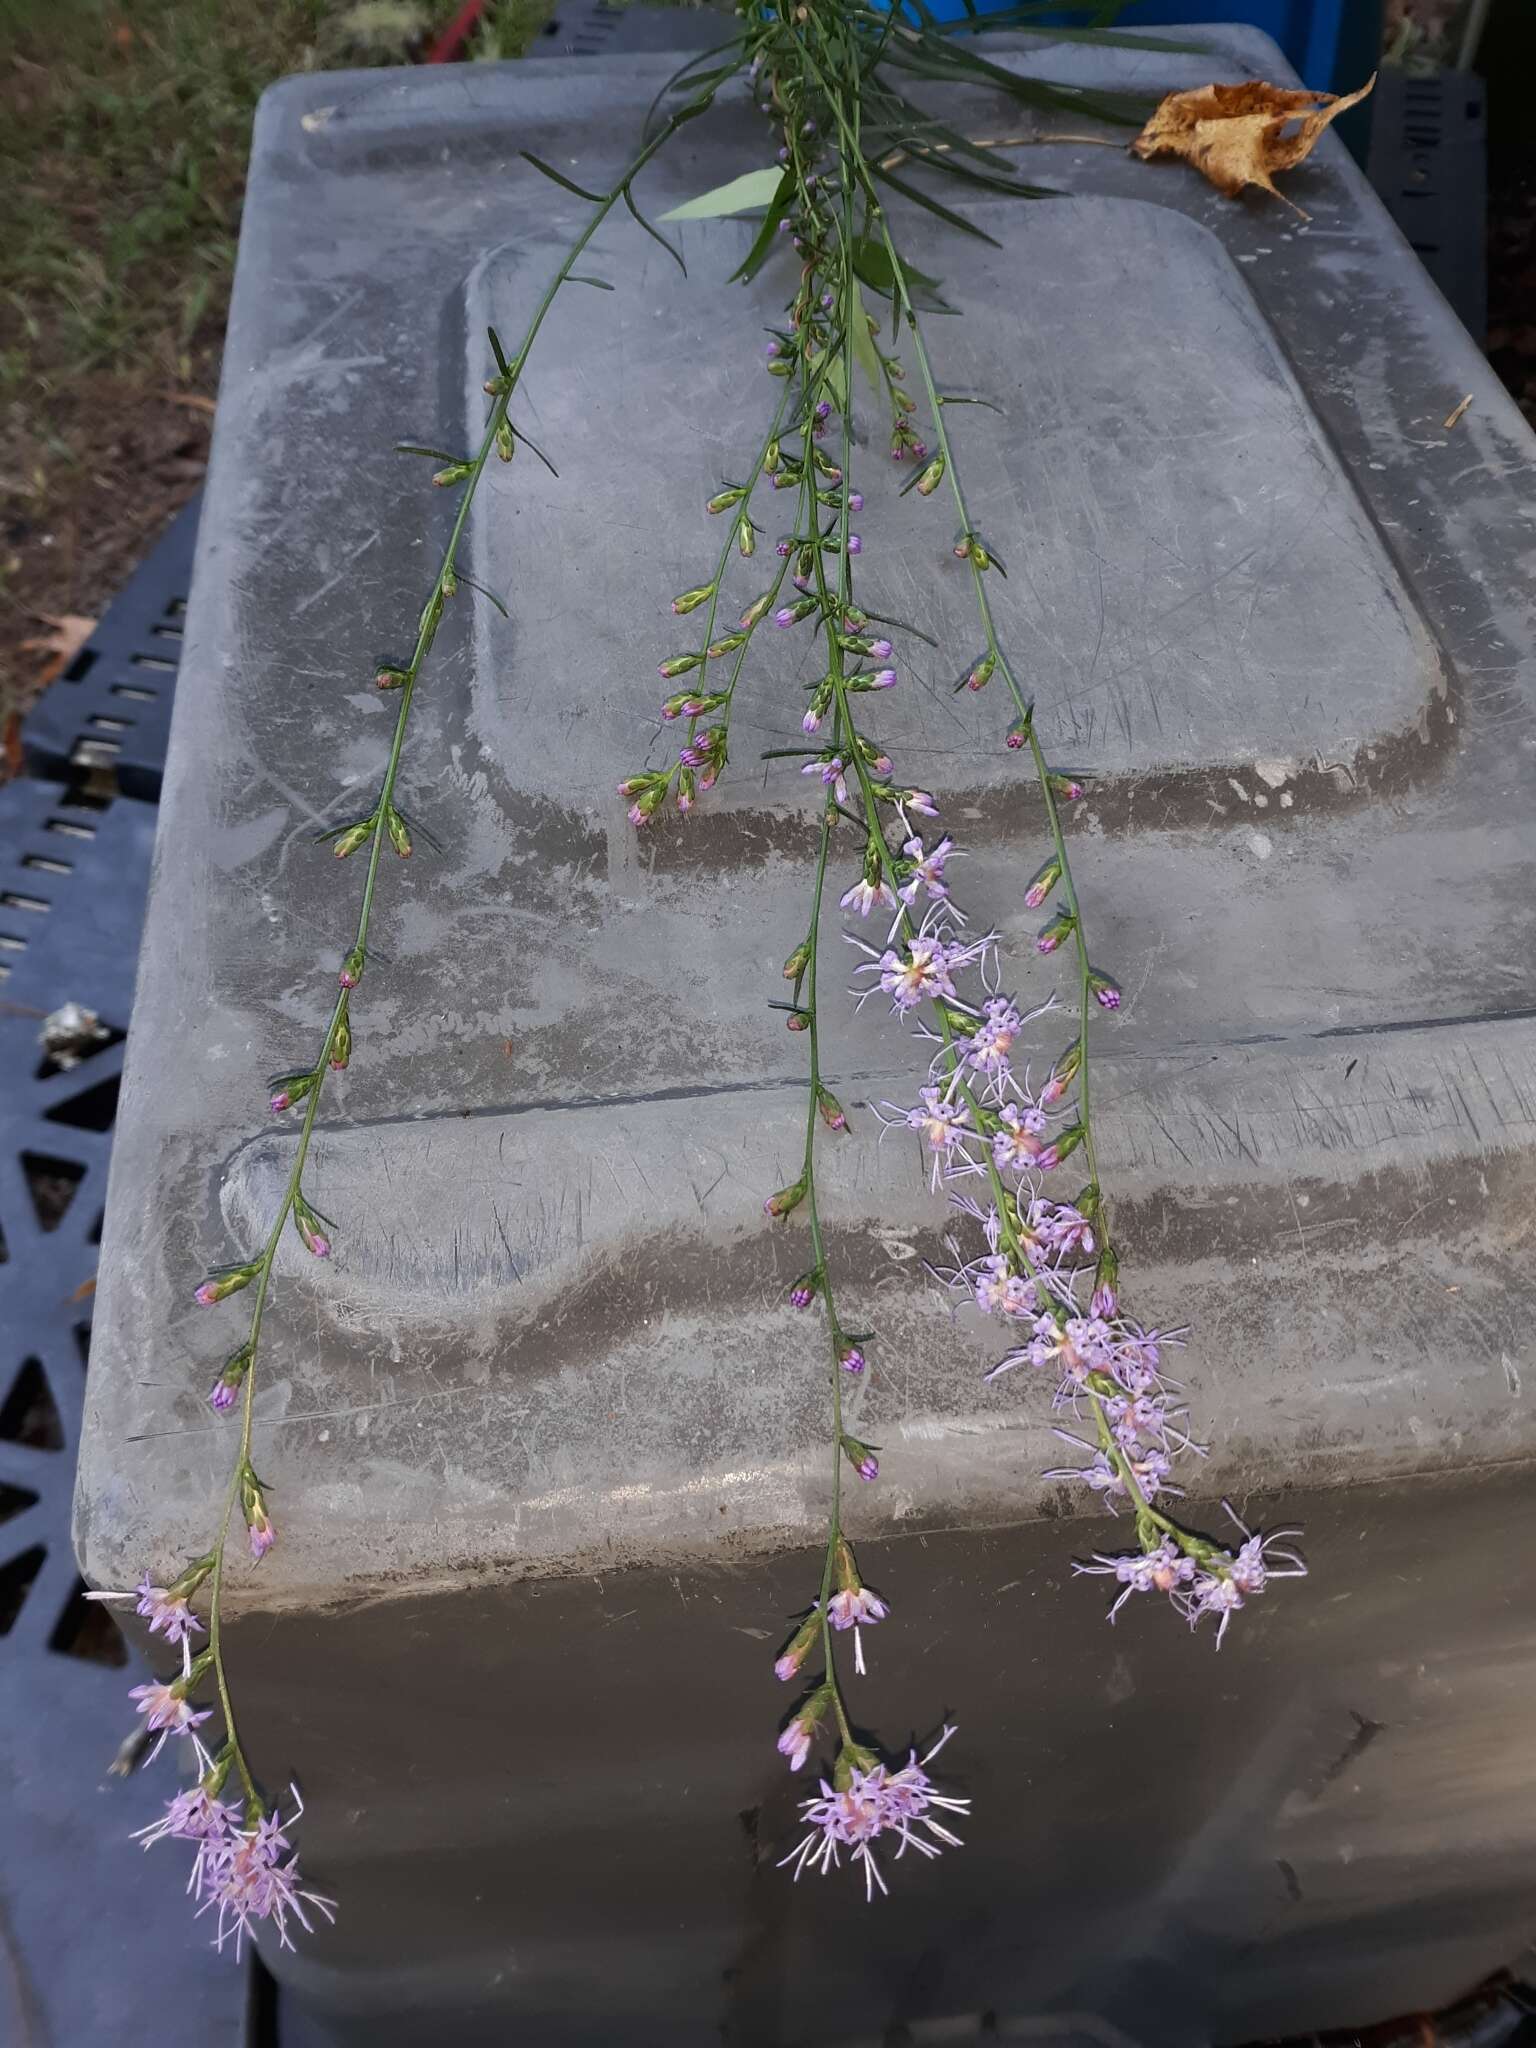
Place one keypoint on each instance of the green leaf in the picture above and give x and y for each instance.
(654, 233)
(600, 284)
(497, 350)
(432, 454)
(836, 383)
(559, 178)
(767, 234)
(935, 206)
(519, 435)
(872, 262)
(865, 353)
(752, 188)
(494, 599)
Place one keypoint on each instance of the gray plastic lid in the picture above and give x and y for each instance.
(1264, 596)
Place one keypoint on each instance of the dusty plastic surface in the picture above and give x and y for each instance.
(546, 1446)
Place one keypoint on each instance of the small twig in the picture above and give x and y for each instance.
(1455, 414)
(901, 156)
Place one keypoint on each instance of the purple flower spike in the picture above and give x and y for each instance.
(221, 1395)
(851, 1359)
(855, 545)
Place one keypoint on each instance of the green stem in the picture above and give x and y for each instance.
(426, 632)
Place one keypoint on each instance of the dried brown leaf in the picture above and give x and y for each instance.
(64, 639)
(1235, 135)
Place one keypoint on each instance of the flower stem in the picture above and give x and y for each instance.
(431, 615)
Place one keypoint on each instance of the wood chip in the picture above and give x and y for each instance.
(1452, 417)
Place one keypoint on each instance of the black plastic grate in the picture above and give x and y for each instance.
(110, 712)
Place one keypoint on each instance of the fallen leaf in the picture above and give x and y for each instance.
(1235, 134)
(64, 639)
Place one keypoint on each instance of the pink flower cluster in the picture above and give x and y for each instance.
(852, 1815)
(243, 1872)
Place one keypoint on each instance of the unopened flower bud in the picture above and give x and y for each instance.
(506, 442)
(931, 478)
(1064, 1073)
(1061, 1147)
(284, 1090)
(755, 610)
(805, 1289)
(222, 1393)
(687, 789)
(399, 836)
(341, 1042)
(253, 1505)
(833, 1115)
(1106, 990)
(1106, 1288)
(1065, 787)
(746, 538)
(722, 501)
(787, 1664)
(387, 677)
(861, 1457)
(678, 665)
(1051, 935)
(794, 1745)
(980, 673)
(798, 1020)
(1043, 881)
(354, 836)
(786, 1199)
(851, 1358)
(227, 1280)
(726, 644)
(352, 968)
(452, 473)
(792, 614)
(798, 961)
(690, 600)
(312, 1227)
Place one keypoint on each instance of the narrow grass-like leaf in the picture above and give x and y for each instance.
(600, 284)
(559, 178)
(488, 594)
(655, 233)
(921, 198)
(519, 435)
(763, 240)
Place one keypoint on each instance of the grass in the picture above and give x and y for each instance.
(124, 129)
